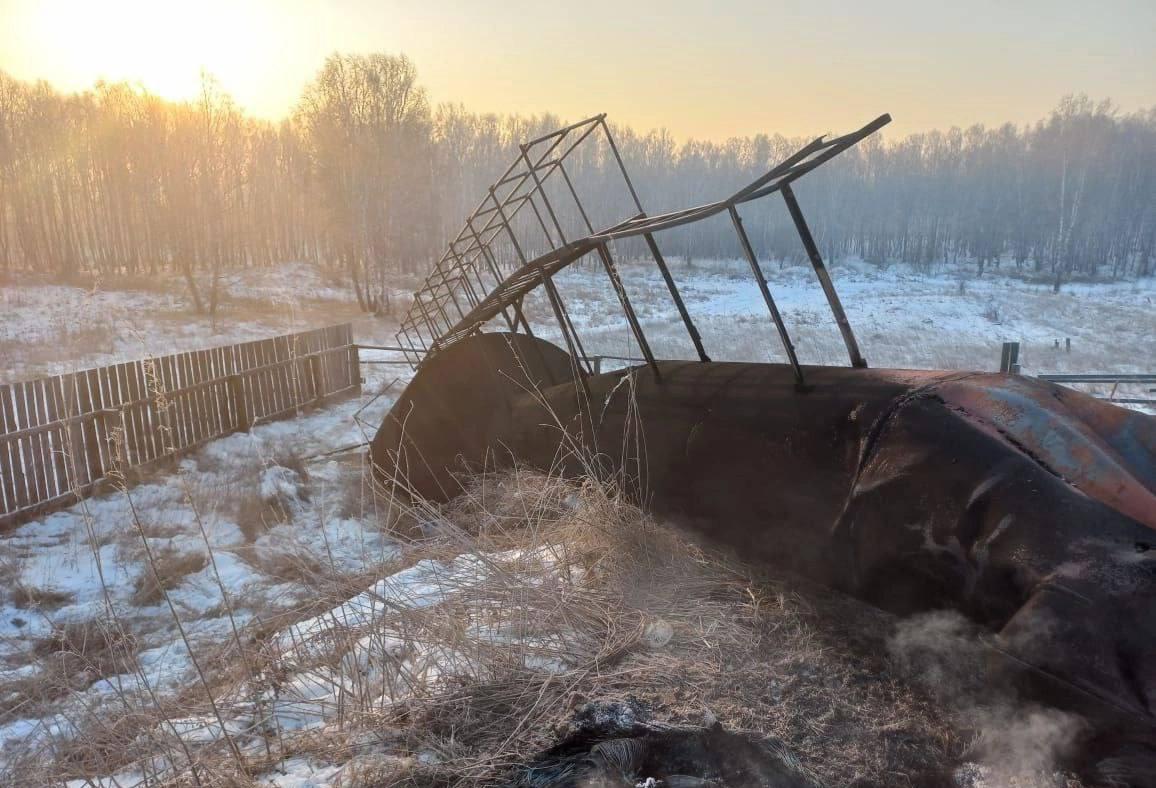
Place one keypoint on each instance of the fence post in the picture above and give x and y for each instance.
(314, 363)
(1010, 358)
(240, 409)
(355, 367)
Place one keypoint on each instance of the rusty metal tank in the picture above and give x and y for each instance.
(1029, 507)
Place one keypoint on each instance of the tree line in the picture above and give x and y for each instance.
(366, 175)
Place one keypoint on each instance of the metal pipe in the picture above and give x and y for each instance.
(560, 316)
(631, 317)
(678, 302)
(566, 129)
(652, 245)
(621, 166)
(828, 286)
(574, 194)
(570, 323)
(542, 224)
(784, 337)
(545, 199)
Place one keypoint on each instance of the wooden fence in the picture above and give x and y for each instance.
(62, 437)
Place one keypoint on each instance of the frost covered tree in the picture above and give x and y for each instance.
(367, 178)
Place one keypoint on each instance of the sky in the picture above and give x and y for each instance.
(699, 69)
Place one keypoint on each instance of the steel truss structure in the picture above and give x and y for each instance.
(467, 289)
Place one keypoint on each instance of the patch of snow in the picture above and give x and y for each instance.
(303, 773)
(92, 553)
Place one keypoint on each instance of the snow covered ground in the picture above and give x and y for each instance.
(251, 526)
(47, 329)
(942, 319)
(257, 531)
(945, 318)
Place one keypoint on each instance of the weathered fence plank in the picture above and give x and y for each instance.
(9, 459)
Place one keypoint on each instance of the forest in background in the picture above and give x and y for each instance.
(369, 177)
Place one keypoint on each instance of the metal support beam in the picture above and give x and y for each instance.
(542, 224)
(505, 221)
(577, 201)
(828, 286)
(631, 317)
(565, 326)
(573, 331)
(485, 253)
(545, 199)
(784, 337)
(621, 166)
(652, 245)
(456, 298)
(670, 285)
(520, 315)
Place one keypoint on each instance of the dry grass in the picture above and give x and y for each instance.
(95, 642)
(574, 596)
(71, 657)
(770, 657)
(28, 597)
(255, 516)
(168, 570)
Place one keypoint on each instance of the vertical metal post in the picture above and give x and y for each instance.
(501, 213)
(542, 224)
(828, 286)
(682, 311)
(1010, 358)
(574, 194)
(631, 317)
(560, 306)
(485, 252)
(520, 315)
(652, 245)
(433, 331)
(563, 324)
(500, 210)
(784, 337)
(545, 199)
(621, 166)
(466, 266)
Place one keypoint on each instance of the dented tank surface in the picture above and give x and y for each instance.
(1029, 507)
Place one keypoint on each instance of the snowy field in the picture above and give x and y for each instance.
(128, 599)
(47, 329)
(944, 319)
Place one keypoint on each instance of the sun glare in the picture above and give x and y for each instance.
(162, 46)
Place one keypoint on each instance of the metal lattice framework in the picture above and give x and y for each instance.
(466, 288)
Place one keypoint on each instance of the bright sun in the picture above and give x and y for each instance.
(162, 45)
